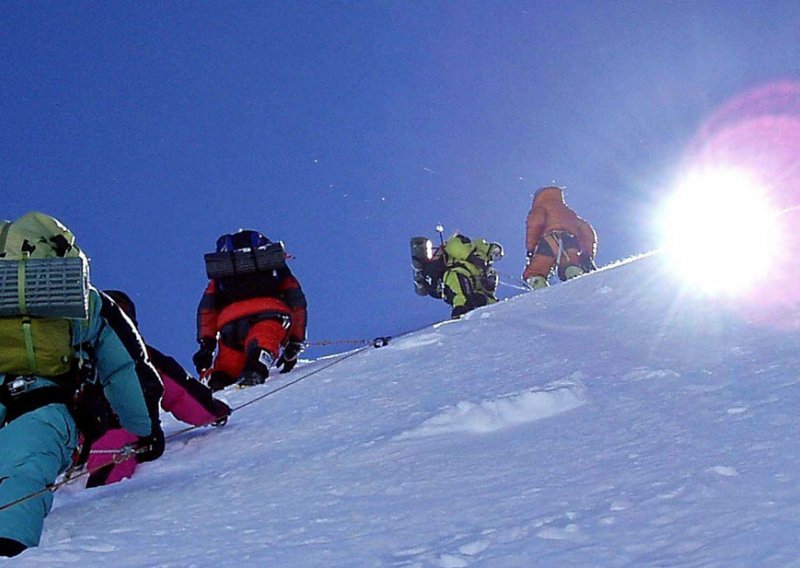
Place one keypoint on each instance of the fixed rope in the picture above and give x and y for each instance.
(122, 454)
(119, 456)
(278, 389)
(377, 342)
(523, 286)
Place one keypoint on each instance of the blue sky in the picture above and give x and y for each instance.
(345, 128)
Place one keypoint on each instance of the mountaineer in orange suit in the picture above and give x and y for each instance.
(254, 307)
(556, 238)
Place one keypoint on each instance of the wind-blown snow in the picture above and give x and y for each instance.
(611, 421)
(508, 410)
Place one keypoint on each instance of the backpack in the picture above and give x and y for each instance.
(243, 253)
(44, 290)
(428, 267)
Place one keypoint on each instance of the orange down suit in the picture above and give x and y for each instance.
(556, 235)
(251, 311)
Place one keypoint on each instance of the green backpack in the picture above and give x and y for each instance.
(44, 289)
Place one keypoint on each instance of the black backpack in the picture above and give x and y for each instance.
(245, 252)
(247, 265)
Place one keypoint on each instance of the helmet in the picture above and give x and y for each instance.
(496, 251)
(124, 302)
(244, 239)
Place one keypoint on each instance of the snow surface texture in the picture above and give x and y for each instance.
(609, 421)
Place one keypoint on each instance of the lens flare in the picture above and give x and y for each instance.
(738, 214)
(715, 221)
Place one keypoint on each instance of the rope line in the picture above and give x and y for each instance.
(514, 286)
(324, 342)
(127, 452)
(524, 285)
(303, 377)
(120, 455)
(377, 342)
(275, 390)
(124, 453)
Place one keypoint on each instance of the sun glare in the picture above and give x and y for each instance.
(719, 231)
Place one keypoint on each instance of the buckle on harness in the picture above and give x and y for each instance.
(19, 385)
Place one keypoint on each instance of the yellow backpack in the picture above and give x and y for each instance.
(44, 288)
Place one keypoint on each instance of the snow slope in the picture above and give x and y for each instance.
(610, 421)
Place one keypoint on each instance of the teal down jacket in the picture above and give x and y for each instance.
(37, 446)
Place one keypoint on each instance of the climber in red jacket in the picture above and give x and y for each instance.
(251, 309)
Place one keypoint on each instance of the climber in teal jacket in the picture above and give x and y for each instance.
(41, 413)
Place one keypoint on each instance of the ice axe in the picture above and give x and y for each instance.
(440, 230)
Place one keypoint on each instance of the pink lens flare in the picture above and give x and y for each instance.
(759, 132)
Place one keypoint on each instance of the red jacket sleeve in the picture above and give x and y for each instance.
(292, 295)
(207, 312)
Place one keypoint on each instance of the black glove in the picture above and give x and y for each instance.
(290, 353)
(151, 447)
(205, 355)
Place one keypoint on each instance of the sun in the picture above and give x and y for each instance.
(719, 231)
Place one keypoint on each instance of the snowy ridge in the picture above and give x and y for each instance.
(610, 421)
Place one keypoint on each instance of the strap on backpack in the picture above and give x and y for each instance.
(26, 321)
(26, 331)
(3, 236)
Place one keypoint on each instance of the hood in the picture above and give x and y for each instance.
(549, 194)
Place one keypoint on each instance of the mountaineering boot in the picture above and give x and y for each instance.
(256, 369)
(573, 271)
(219, 380)
(458, 311)
(537, 282)
(221, 410)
